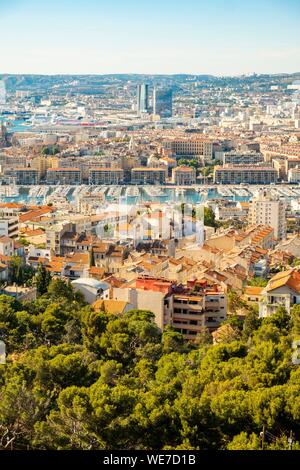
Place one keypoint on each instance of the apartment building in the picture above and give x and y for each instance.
(202, 306)
(279, 165)
(183, 175)
(91, 289)
(26, 176)
(283, 289)
(262, 236)
(230, 211)
(145, 175)
(269, 212)
(289, 151)
(106, 176)
(108, 256)
(6, 246)
(169, 163)
(291, 163)
(55, 237)
(148, 294)
(229, 174)
(64, 176)
(199, 148)
(294, 174)
(189, 309)
(9, 226)
(237, 158)
(42, 164)
(84, 164)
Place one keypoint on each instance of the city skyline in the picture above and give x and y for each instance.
(223, 38)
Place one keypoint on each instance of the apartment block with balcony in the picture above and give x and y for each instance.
(41, 165)
(55, 237)
(200, 307)
(189, 309)
(64, 176)
(242, 158)
(264, 210)
(145, 175)
(238, 174)
(106, 176)
(9, 226)
(26, 176)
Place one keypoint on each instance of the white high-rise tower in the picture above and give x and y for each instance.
(264, 210)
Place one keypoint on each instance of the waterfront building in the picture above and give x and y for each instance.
(106, 176)
(26, 176)
(64, 176)
(41, 164)
(145, 175)
(245, 174)
(184, 175)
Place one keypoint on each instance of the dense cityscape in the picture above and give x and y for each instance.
(149, 262)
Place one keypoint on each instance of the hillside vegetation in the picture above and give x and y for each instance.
(80, 379)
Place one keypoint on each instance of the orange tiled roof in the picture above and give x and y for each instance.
(253, 290)
(287, 278)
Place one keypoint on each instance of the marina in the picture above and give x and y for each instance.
(43, 194)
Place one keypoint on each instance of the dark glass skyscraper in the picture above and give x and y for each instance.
(162, 102)
(143, 98)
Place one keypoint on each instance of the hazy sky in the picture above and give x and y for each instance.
(222, 37)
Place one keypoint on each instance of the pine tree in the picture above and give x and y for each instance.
(43, 278)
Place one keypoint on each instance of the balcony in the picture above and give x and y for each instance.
(213, 307)
(185, 326)
(212, 323)
(187, 306)
(188, 316)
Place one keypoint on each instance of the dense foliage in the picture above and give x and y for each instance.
(80, 379)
